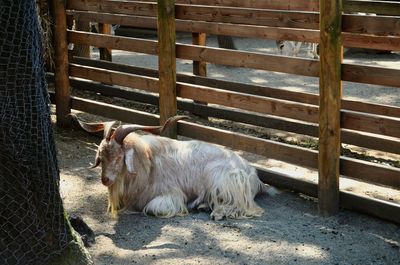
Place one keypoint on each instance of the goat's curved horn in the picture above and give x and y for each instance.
(122, 131)
(93, 127)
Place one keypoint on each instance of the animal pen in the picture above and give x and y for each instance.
(333, 24)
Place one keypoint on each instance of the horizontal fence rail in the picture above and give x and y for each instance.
(307, 67)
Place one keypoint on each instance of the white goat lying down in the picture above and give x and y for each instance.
(166, 177)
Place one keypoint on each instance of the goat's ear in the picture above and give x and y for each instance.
(129, 160)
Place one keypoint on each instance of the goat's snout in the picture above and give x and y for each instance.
(106, 181)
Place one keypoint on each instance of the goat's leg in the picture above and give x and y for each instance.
(166, 206)
(199, 203)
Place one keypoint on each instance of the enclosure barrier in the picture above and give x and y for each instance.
(373, 126)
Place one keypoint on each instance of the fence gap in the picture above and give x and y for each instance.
(167, 62)
(61, 72)
(331, 56)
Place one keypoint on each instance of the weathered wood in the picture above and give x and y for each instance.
(105, 53)
(371, 123)
(375, 207)
(331, 54)
(113, 42)
(388, 8)
(277, 107)
(371, 42)
(370, 172)
(304, 5)
(215, 28)
(199, 67)
(62, 88)
(167, 62)
(258, 90)
(308, 67)
(300, 66)
(250, 16)
(116, 78)
(261, 17)
(283, 108)
(355, 40)
(279, 123)
(370, 75)
(114, 112)
(376, 25)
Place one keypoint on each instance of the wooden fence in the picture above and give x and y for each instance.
(332, 119)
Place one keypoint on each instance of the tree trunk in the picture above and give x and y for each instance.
(34, 228)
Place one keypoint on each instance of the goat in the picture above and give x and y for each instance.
(166, 177)
(292, 48)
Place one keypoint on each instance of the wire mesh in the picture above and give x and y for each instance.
(32, 223)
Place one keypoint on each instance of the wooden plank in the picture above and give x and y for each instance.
(113, 42)
(371, 75)
(299, 66)
(215, 28)
(114, 112)
(283, 108)
(167, 63)
(277, 107)
(199, 67)
(370, 172)
(308, 67)
(331, 55)
(105, 53)
(62, 88)
(279, 123)
(374, 25)
(116, 78)
(301, 97)
(371, 42)
(391, 43)
(387, 8)
(250, 16)
(268, 148)
(371, 123)
(117, 7)
(382, 209)
(304, 5)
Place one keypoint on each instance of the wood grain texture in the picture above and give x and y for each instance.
(331, 54)
(61, 72)
(167, 63)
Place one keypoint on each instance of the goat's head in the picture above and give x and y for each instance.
(111, 153)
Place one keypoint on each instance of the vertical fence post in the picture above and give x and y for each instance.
(61, 72)
(331, 55)
(105, 53)
(167, 62)
(199, 67)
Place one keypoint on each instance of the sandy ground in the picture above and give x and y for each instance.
(290, 231)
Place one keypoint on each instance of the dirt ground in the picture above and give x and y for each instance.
(290, 231)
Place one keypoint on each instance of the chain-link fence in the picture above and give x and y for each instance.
(32, 223)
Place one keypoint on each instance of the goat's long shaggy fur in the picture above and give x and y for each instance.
(166, 177)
